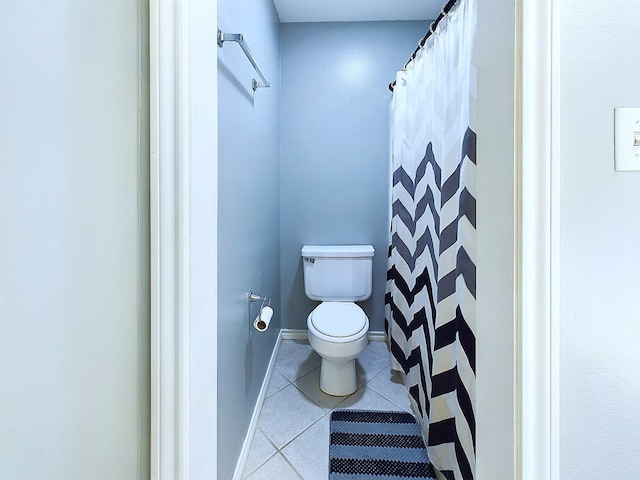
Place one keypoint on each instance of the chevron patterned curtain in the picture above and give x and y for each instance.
(431, 278)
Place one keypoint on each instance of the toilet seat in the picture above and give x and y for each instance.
(338, 322)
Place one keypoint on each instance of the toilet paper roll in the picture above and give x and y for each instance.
(261, 323)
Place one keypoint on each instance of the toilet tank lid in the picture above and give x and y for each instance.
(337, 251)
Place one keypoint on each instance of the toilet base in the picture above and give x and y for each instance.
(338, 378)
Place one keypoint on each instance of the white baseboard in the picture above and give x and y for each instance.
(377, 337)
(292, 334)
(253, 425)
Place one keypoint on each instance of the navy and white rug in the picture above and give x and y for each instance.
(369, 445)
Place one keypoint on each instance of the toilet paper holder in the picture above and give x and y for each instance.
(261, 322)
(252, 297)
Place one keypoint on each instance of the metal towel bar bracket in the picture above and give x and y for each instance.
(239, 39)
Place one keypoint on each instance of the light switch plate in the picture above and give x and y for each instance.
(627, 139)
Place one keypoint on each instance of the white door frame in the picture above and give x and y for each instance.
(184, 186)
(537, 281)
(184, 241)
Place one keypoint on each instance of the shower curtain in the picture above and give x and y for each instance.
(431, 277)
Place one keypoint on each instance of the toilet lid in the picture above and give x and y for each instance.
(339, 319)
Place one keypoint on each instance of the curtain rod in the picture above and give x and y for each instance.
(446, 8)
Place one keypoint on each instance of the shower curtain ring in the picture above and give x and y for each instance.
(431, 28)
(443, 12)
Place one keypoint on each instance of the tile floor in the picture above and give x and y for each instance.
(292, 438)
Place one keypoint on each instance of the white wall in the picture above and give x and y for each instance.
(600, 246)
(495, 329)
(74, 330)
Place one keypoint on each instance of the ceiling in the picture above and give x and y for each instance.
(356, 10)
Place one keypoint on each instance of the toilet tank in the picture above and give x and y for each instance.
(337, 273)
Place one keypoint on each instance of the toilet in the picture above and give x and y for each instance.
(338, 276)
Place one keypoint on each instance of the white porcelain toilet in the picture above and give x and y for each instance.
(338, 276)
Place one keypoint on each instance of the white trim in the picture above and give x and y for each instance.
(253, 425)
(538, 255)
(554, 297)
(183, 172)
(293, 334)
(164, 249)
(200, 71)
(154, 241)
(377, 337)
(183, 177)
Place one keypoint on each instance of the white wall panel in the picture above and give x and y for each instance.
(600, 227)
(73, 241)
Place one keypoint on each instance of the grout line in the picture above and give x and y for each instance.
(299, 434)
(280, 389)
(392, 401)
(269, 457)
(295, 470)
(262, 464)
(386, 355)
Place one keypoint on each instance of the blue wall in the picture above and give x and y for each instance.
(334, 138)
(249, 218)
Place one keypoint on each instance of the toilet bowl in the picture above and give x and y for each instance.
(338, 333)
(338, 276)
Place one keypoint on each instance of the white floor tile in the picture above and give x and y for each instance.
(367, 399)
(284, 344)
(277, 383)
(389, 386)
(369, 364)
(310, 386)
(261, 450)
(309, 453)
(295, 361)
(286, 414)
(276, 468)
(379, 347)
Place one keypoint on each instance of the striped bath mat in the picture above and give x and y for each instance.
(368, 445)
